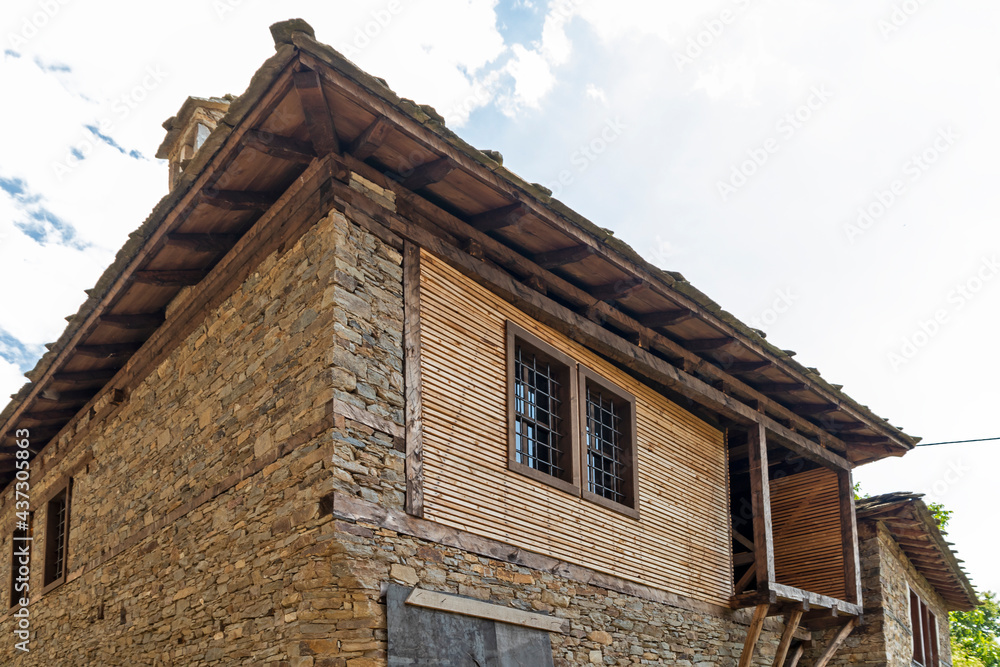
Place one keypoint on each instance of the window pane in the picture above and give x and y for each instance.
(605, 446)
(538, 428)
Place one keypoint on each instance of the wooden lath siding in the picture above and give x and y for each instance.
(680, 543)
(808, 548)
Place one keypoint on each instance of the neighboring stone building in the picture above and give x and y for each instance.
(355, 394)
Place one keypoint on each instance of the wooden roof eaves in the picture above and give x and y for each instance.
(670, 285)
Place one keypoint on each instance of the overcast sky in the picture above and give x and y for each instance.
(823, 170)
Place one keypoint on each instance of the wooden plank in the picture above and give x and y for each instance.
(319, 120)
(563, 256)
(85, 377)
(707, 344)
(427, 174)
(285, 148)
(837, 641)
(498, 218)
(412, 381)
(666, 318)
(232, 200)
(134, 321)
(619, 289)
(454, 604)
(170, 278)
(849, 537)
(109, 351)
(753, 634)
(760, 491)
(203, 242)
(370, 139)
(779, 387)
(791, 625)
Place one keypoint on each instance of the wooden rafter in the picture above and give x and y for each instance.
(707, 344)
(134, 321)
(108, 351)
(319, 120)
(428, 173)
(170, 278)
(556, 258)
(85, 377)
(203, 242)
(285, 148)
(780, 387)
(619, 289)
(370, 139)
(814, 408)
(239, 201)
(739, 367)
(666, 318)
(499, 218)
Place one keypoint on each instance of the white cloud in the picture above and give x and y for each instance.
(595, 93)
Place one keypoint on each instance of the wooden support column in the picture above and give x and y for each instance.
(791, 625)
(799, 650)
(849, 536)
(753, 634)
(414, 396)
(319, 121)
(837, 641)
(760, 490)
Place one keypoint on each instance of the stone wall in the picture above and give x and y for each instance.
(189, 523)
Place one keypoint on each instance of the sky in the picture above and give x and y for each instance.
(823, 170)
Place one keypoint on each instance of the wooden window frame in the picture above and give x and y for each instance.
(571, 484)
(924, 627)
(630, 473)
(14, 596)
(50, 548)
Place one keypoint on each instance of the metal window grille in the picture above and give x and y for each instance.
(538, 431)
(605, 446)
(59, 537)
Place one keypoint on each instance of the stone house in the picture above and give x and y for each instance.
(355, 394)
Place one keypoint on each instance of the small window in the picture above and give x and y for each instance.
(56, 537)
(542, 424)
(609, 435)
(925, 637)
(21, 540)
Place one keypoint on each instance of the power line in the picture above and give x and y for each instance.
(954, 442)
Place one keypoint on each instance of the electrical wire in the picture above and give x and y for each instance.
(954, 442)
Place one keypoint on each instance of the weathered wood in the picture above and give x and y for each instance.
(666, 318)
(412, 381)
(837, 641)
(370, 139)
(469, 607)
(203, 242)
(862, 439)
(49, 415)
(740, 367)
(753, 634)
(134, 321)
(814, 409)
(744, 581)
(791, 625)
(760, 491)
(170, 278)
(619, 289)
(285, 148)
(779, 387)
(427, 174)
(85, 377)
(556, 258)
(232, 200)
(82, 395)
(108, 351)
(707, 344)
(319, 120)
(498, 218)
(799, 650)
(849, 536)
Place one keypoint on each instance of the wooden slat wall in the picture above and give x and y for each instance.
(805, 513)
(680, 544)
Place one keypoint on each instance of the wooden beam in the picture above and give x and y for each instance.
(203, 242)
(780, 387)
(427, 174)
(556, 258)
(498, 218)
(233, 200)
(813, 408)
(85, 377)
(170, 278)
(414, 464)
(837, 641)
(744, 581)
(753, 634)
(319, 120)
(619, 289)
(667, 318)
(707, 344)
(739, 367)
(50, 415)
(134, 321)
(78, 396)
(760, 491)
(849, 537)
(370, 139)
(799, 650)
(495, 612)
(742, 539)
(108, 351)
(285, 148)
(862, 439)
(791, 625)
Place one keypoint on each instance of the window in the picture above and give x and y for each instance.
(925, 637)
(542, 425)
(567, 426)
(20, 539)
(56, 538)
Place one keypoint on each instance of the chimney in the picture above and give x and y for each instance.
(188, 130)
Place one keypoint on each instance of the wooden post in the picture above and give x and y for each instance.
(791, 625)
(760, 489)
(837, 641)
(849, 536)
(753, 634)
(412, 381)
(800, 649)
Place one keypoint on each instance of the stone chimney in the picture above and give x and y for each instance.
(188, 130)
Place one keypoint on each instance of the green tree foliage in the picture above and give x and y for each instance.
(975, 634)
